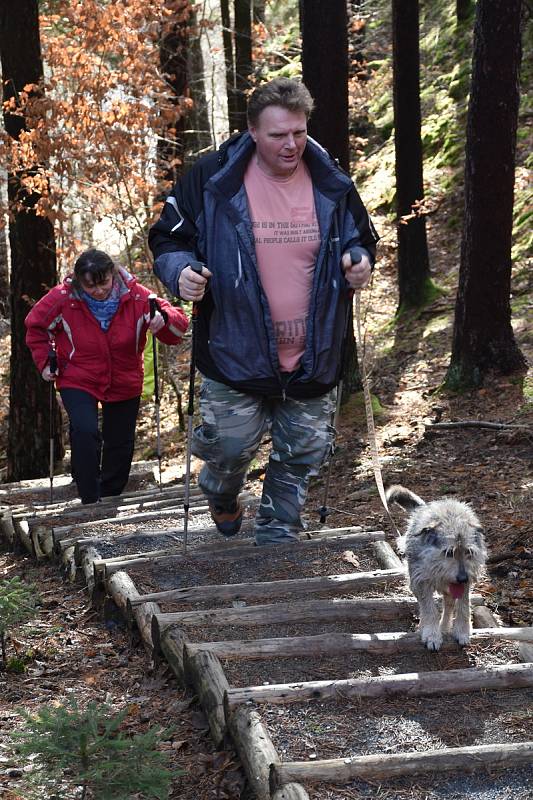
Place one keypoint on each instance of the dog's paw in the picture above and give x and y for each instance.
(461, 635)
(432, 638)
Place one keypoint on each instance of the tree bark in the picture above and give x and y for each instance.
(173, 58)
(413, 258)
(378, 767)
(328, 33)
(243, 61)
(227, 39)
(483, 339)
(4, 257)
(349, 583)
(463, 10)
(34, 416)
(324, 66)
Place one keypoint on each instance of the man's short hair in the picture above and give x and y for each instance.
(285, 92)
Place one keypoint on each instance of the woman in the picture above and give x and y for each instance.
(97, 321)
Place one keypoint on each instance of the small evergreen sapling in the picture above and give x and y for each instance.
(87, 750)
(17, 605)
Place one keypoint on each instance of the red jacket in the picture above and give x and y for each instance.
(107, 364)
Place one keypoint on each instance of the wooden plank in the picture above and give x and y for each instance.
(98, 512)
(452, 681)
(326, 584)
(255, 748)
(328, 644)
(121, 588)
(7, 528)
(386, 556)
(205, 673)
(379, 767)
(128, 519)
(246, 551)
(22, 535)
(73, 506)
(304, 611)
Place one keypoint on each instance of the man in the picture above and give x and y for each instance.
(273, 219)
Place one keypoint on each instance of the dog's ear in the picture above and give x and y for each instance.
(430, 537)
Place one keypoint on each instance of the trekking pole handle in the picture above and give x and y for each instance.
(152, 299)
(196, 266)
(356, 255)
(52, 361)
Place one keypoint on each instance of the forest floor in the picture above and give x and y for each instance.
(69, 651)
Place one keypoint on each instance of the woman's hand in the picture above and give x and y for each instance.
(47, 375)
(157, 322)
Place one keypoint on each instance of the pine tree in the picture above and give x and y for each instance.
(88, 750)
(17, 605)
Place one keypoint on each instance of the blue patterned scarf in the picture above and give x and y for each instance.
(104, 310)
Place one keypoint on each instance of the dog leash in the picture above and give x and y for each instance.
(378, 477)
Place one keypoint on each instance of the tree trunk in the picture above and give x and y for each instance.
(4, 256)
(327, 34)
(259, 11)
(33, 255)
(173, 58)
(483, 339)
(413, 259)
(227, 39)
(243, 60)
(463, 10)
(198, 137)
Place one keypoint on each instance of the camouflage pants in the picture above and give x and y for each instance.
(232, 427)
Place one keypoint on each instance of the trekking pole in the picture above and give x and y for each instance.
(52, 365)
(355, 255)
(152, 299)
(197, 267)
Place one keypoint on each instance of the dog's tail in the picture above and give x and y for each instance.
(404, 497)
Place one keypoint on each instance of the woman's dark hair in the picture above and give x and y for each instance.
(94, 264)
(285, 92)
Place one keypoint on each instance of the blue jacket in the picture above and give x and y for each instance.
(206, 218)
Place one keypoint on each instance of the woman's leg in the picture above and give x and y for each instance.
(302, 439)
(118, 434)
(85, 443)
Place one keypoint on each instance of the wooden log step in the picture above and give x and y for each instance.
(327, 584)
(379, 767)
(451, 681)
(73, 505)
(121, 588)
(139, 469)
(96, 511)
(121, 539)
(108, 566)
(7, 529)
(127, 519)
(332, 643)
(303, 611)
(23, 535)
(386, 556)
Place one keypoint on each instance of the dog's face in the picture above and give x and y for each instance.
(445, 547)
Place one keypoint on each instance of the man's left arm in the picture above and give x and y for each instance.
(358, 242)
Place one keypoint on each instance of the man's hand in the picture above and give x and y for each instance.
(192, 284)
(357, 274)
(47, 375)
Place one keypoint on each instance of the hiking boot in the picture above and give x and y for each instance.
(227, 517)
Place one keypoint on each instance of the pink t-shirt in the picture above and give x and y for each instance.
(287, 240)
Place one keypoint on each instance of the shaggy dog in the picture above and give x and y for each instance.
(446, 553)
